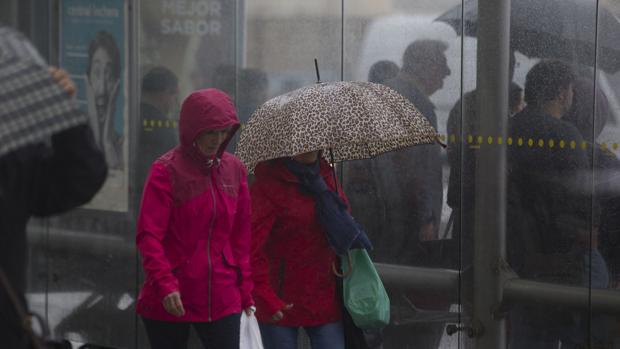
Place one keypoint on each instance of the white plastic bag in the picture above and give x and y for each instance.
(249, 333)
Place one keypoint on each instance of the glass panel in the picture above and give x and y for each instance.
(418, 205)
(597, 100)
(183, 46)
(551, 211)
(281, 41)
(82, 264)
(400, 197)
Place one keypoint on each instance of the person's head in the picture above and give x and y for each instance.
(207, 122)
(307, 158)
(426, 61)
(550, 81)
(252, 91)
(516, 102)
(512, 64)
(382, 71)
(582, 115)
(103, 68)
(160, 87)
(224, 78)
(210, 141)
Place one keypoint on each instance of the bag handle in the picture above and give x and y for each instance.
(343, 275)
(21, 312)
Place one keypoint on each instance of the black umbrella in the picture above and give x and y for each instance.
(564, 29)
(32, 105)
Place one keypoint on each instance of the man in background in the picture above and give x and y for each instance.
(398, 197)
(550, 214)
(158, 131)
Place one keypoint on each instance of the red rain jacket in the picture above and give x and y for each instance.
(194, 225)
(291, 258)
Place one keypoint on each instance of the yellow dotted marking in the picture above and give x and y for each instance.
(541, 143)
(615, 146)
(509, 141)
(604, 146)
(573, 144)
(145, 123)
(520, 141)
(490, 140)
(452, 138)
(480, 139)
(551, 143)
(584, 145)
(470, 139)
(174, 124)
(530, 142)
(152, 123)
(562, 144)
(500, 140)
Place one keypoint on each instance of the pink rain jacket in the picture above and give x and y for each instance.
(194, 225)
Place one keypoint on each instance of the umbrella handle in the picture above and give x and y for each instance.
(343, 275)
(438, 140)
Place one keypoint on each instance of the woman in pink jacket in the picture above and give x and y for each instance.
(194, 232)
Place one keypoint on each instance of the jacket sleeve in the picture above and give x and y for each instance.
(241, 241)
(152, 227)
(70, 172)
(263, 220)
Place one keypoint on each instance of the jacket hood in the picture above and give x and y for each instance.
(206, 109)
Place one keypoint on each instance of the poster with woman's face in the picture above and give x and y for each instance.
(93, 49)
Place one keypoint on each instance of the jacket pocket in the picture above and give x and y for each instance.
(178, 267)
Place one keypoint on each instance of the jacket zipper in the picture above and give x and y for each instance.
(209, 243)
(281, 279)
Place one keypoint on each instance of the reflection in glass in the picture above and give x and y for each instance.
(399, 196)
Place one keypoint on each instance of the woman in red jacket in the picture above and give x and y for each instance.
(194, 232)
(295, 213)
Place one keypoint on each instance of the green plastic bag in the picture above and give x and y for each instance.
(363, 293)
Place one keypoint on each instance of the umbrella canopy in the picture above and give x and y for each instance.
(356, 120)
(553, 29)
(32, 105)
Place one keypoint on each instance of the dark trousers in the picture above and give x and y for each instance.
(219, 334)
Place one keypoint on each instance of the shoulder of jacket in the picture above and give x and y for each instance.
(231, 160)
(161, 169)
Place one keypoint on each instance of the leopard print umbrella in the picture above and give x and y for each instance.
(356, 120)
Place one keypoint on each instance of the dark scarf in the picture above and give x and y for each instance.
(343, 232)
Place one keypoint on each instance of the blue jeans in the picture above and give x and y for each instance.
(328, 336)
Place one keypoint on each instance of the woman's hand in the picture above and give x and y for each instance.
(279, 315)
(250, 310)
(62, 78)
(173, 304)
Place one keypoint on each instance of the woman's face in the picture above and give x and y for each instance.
(307, 158)
(101, 78)
(209, 141)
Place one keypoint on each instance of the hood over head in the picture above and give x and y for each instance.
(206, 109)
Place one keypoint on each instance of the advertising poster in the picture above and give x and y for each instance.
(93, 49)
